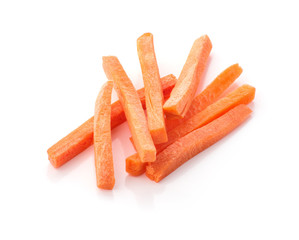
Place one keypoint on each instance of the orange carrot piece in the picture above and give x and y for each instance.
(184, 91)
(82, 137)
(242, 95)
(102, 138)
(132, 107)
(195, 142)
(134, 166)
(209, 94)
(153, 90)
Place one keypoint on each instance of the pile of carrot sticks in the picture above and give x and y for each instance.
(178, 125)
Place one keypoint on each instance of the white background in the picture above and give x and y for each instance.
(244, 187)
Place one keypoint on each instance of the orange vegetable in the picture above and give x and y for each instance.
(132, 107)
(102, 138)
(184, 91)
(195, 142)
(209, 94)
(134, 166)
(153, 90)
(242, 95)
(82, 137)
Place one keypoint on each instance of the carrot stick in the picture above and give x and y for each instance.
(132, 107)
(209, 94)
(153, 90)
(184, 91)
(242, 95)
(134, 166)
(82, 137)
(102, 138)
(195, 142)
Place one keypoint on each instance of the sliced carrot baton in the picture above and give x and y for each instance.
(102, 138)
(195, 142)
(153, 89)
(210, 94)
(242, 95)
(184, 91)
(132, 107)
(82, 137)
(134, 166)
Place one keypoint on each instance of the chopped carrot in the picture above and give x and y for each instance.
(209, 94)
(82, 137)
(242, 95)
(132, 107)
(102, 138)
(134, 166)
(153, 90)
(195, 142)
(184, 91)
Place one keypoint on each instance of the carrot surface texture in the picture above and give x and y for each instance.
(195, 142)
(132, 107)
(242, 95)
(102, 138)
(210, 94)
(153, 89)
(184, 91)
(82, 137)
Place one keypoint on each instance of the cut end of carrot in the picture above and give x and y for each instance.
(205, 38)
(159, 135)
(106, 185)
(53, 160)
(170, 116)
(152, 175)
(148, 155)
(171, 112)
(145, 35)
(134, 166)
(237, 69)
(107, 62)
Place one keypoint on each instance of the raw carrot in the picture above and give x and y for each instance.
(210, 94)
(102, 138)
(153, 90)
(82, 137)
(195, 142)
(132, 107)
(134, 166)
(242, 95)
(184, 91)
